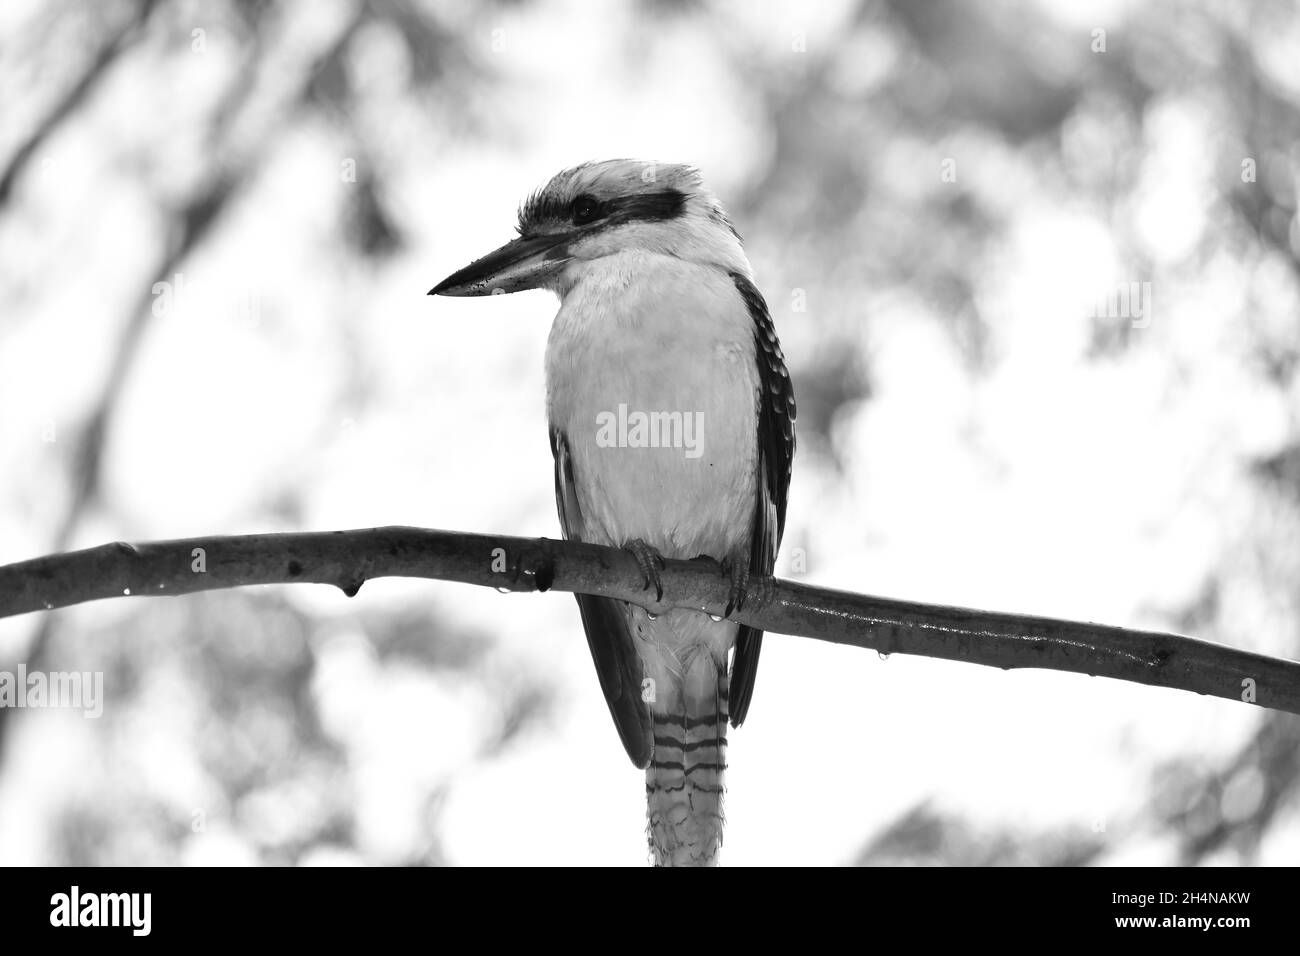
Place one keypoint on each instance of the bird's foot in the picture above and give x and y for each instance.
(735, 567)
(651, 562)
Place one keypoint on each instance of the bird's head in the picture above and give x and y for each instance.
(601, 209)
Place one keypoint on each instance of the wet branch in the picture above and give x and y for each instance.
(347, 559)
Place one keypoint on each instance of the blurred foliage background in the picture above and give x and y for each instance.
(218, 221)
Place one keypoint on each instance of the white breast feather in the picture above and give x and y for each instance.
(658, 334)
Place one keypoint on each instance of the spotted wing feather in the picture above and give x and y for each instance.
(776, 414)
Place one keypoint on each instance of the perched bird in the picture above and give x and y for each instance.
(671, 415)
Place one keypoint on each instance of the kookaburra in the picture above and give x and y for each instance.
(672, 426)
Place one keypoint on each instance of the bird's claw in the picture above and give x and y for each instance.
(737, 570)
(651, 562)
(761, 591)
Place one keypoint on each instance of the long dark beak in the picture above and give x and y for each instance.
(526, 263)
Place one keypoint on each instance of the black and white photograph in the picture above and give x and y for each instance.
(536, 433)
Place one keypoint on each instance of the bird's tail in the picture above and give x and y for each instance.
(684, 783)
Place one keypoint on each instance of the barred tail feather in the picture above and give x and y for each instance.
(684, 782)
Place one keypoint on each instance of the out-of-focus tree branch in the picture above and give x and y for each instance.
(191, 223)
(347, 559)
(110, 52)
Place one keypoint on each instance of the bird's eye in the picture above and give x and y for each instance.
(585, 210)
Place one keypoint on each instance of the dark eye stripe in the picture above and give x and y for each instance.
(667, 204)
(647, 207)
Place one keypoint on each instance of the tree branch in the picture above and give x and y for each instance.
(347, 559)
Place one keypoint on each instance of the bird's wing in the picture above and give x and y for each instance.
(606, 624)
(776, 412)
